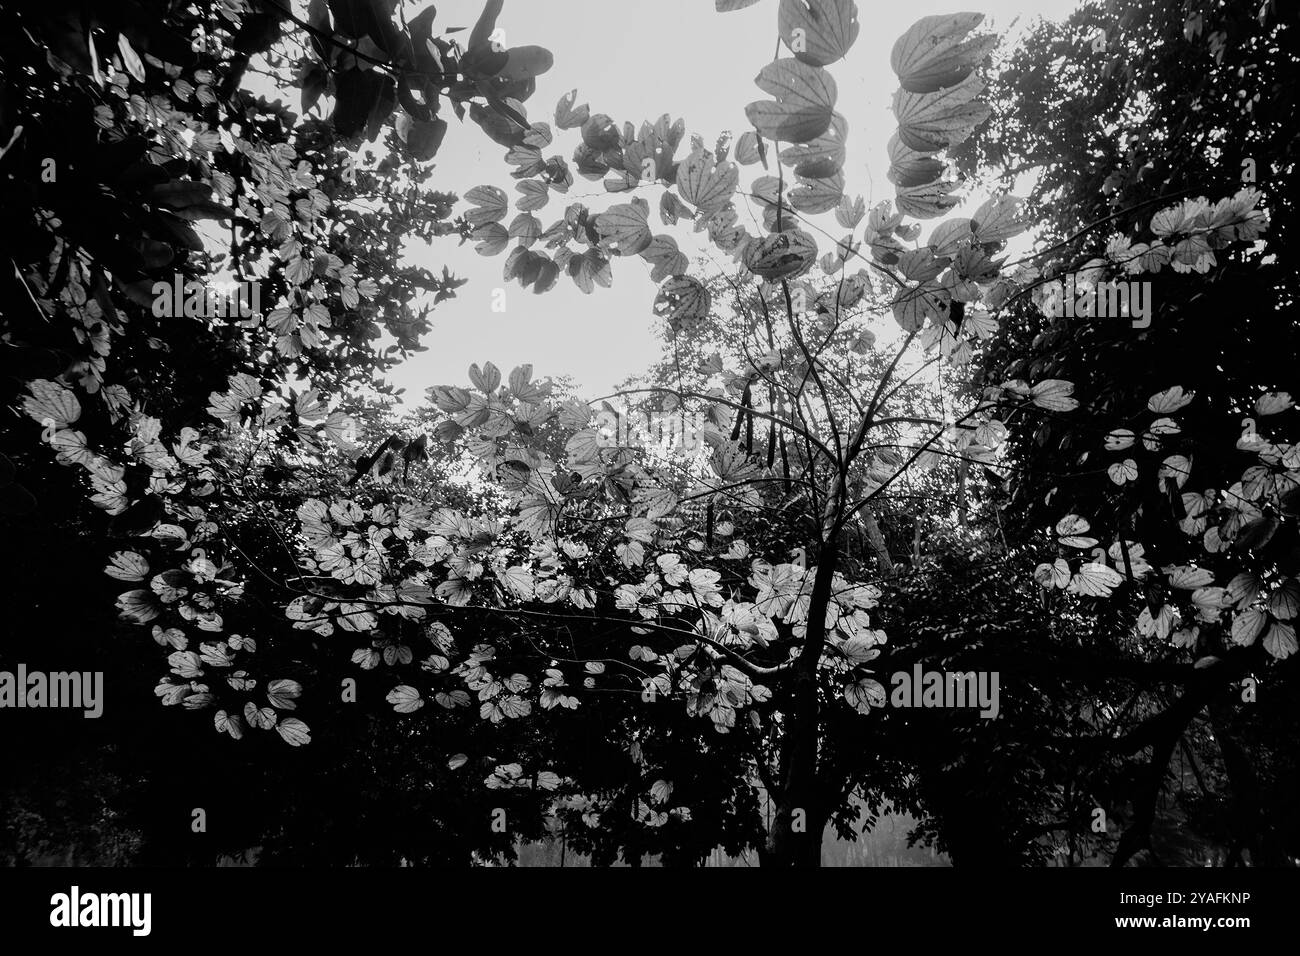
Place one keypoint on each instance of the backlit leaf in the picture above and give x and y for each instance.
(804, 103)
(818, 32)
(935, 53)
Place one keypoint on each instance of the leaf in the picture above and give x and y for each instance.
(282, 693)
(929, 122)
(263, 718)
(485, 26)
(584, 446)
(1254, 535)
(1170, 400)
(667, 258)
(927, 201)
(1177, 467)
(909, 167)
(51, 401)
(864, 694)
(815, 196)
(1070, 532)
(294, 731)
(658, 502)
(1247, 626)
(1052, 575)
(526, 228)
(130, 59)
(1122, 472)
(566, 116)
(859, 650)
(1054, 395)
(539, 135)
(998, 218)
(228, 724)
(683, 301)
(1095, 580)
(850, 212)
(1280, 641)
(424, 138)
(492, 202)
(526, 63)
(920, 265)
(912, 306)
(492, 239)
(1243, 589)
(1270, 403)
(457, 698)
(725, 6)
(456, 761)
(934, 52)
(535, 195)
(948, 236)
(782, 256)
(747, 151)
(624, 228)
(640, 529)
(487, 379)
(405, 699)
(826, 29)
(804, 102)
(520, 379)
(519, 580)
(137, 606)
(1119, 439)
(1189, 578)
(127, 566)
(706, 186)
(1284, 603)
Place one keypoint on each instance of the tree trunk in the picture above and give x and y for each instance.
(795, 837)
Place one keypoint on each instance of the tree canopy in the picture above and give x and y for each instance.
(922, 444)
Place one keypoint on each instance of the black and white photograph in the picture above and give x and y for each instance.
(439, 439)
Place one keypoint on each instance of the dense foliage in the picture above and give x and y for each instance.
(648, 645)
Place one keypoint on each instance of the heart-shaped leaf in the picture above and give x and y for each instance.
(804, 103)
(818, 32)
(934, 53)
(929, 122)
(624, 228)
(705, 185)
(907, 167)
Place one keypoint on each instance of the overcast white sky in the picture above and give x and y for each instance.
(635, 61)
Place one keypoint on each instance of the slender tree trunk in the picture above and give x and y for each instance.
(795, 837)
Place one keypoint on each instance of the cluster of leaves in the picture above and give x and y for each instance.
(130, 141)
(1162, 408)
(370, 65)
(689, 611)
(677, 566)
